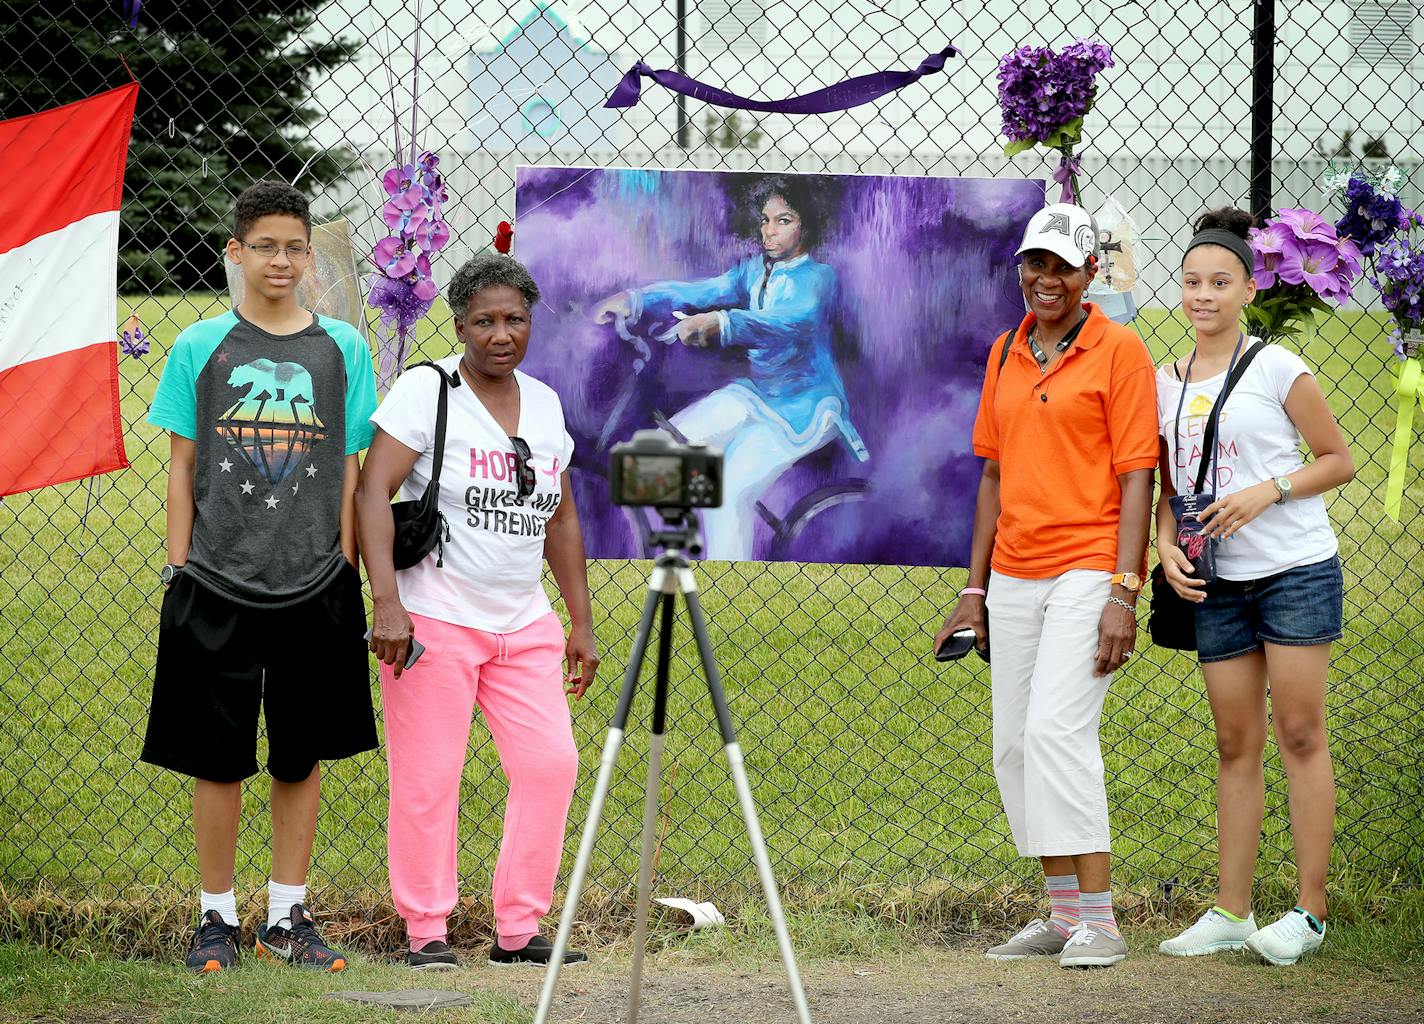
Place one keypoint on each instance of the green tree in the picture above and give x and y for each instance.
(224, 101)
(725, 132)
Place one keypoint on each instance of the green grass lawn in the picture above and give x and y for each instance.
(1365, 972)
(870, 763)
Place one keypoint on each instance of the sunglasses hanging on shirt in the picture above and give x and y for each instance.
(523, 467)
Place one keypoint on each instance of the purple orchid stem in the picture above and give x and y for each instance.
(385, 370)
(415, 83)
(402, 333)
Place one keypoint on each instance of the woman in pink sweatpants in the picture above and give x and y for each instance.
(477, 606)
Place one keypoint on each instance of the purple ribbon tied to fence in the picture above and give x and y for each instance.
(1065, 174)
(131, 9)
(841, 96)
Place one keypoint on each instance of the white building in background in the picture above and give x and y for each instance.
(542, 84)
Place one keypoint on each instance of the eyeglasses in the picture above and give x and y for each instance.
(524, 467)
(295, 253)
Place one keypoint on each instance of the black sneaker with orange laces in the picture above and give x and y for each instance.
(214, 946)
(295, 940)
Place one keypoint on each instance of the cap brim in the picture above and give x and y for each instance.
(1062, 248)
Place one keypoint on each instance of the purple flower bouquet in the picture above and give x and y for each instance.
(1399, 277)
(403, 289)
(1044, 96)
(1373, 214)
(1301, 262)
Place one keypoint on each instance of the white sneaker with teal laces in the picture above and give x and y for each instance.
(1213, 932)
(1287, 940)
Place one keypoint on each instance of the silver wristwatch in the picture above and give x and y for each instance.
(1283, 484)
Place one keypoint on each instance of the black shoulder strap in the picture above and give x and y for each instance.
(1004, 352)
(441, 414)
(1209, 436)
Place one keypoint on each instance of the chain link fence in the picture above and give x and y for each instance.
(870, 763)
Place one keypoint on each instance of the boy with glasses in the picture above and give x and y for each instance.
(267, 407)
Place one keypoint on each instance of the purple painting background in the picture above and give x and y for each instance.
(927, 277)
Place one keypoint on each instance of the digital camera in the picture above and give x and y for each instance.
(654, 470)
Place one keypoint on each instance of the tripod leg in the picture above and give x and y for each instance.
(744, 794)
(611, 746)
(652, 803)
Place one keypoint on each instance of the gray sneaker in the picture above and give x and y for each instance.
(1090, 945)
(1038, 938)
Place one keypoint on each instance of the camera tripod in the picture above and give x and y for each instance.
(671, 575)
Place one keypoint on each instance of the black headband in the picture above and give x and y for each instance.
(1227, 240)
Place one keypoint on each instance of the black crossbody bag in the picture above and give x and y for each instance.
(1172, 622)
(420, 525)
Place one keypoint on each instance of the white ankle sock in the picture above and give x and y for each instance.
(225, 903)
(280, 899)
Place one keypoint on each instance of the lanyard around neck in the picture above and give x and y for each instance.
(1038, 354)
(1215, 411)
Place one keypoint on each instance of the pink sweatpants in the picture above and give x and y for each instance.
(517, 681)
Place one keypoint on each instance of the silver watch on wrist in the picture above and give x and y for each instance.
(1283, 485)
(169, 573)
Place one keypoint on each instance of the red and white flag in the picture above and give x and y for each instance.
(63, 171)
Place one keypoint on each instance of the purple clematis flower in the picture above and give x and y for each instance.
(1268, 243)
(1307, 225)
(1311, 262)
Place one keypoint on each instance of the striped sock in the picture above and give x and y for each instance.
(1096, 908)
(1063, 893)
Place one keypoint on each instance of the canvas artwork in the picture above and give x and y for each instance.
(828, 332)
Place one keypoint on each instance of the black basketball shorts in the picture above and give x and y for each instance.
(304, 665)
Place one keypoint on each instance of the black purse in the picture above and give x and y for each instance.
(420, 525)
(1172, 621)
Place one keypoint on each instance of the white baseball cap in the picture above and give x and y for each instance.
(1064, 230)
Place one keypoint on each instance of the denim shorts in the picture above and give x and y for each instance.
(1295, 608)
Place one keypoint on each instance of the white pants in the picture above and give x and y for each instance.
(1043, 635)
(756, 452)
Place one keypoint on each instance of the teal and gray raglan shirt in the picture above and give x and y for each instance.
(273, 417)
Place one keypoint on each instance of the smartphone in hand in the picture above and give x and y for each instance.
(956, 645)
(412, 655)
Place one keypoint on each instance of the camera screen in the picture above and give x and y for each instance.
(652, 480)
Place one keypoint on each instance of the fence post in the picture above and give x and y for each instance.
(684, 134)
(1263, 109)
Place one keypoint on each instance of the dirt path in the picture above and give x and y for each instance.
(961, 987)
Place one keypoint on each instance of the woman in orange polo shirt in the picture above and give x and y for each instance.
(1067, 428)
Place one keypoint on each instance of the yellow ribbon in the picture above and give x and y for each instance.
(1407, 388)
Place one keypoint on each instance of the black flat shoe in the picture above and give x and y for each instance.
(536, 954)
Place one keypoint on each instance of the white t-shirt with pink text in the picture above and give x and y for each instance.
(1256, 441)
(494, 559)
